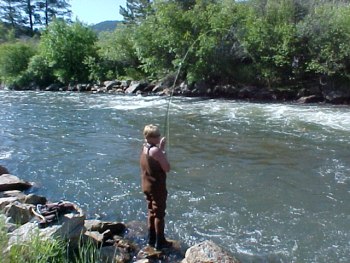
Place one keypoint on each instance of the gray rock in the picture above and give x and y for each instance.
(134, 87)
(11, 182)
(70, 227)
(113, 254)
(116, 228)
(111, 84)
(4, 201)
(19, 213)
(34, 199)
(207, 251)
(310, 99)
(13, 193)
(95, 237)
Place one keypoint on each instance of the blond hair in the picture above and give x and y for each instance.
(151, 131)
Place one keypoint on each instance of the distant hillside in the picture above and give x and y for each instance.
(106, 26)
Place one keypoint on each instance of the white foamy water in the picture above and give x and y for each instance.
(267, 182)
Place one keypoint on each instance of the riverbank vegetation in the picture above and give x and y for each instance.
(43, 251)
(262, 43)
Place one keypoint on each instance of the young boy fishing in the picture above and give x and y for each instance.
(154, 166)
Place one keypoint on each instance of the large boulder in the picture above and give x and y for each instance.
(11, 182)
(70, 227)
(135, 86)
(207, 251)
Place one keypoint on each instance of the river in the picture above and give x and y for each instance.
(267, 182)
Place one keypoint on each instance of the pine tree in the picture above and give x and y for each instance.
(51, 9)
(10, 12)
(29, 9)
(135, 10)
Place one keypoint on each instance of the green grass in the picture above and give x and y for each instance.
(45, 251)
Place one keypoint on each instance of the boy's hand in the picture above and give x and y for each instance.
(162, 143)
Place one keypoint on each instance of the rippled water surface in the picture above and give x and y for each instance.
(268, 182)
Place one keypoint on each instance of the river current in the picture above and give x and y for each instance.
(267, 182)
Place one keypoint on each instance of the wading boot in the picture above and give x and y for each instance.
(162, 243)
(151, 237)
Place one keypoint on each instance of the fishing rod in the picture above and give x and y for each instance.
(167, 115)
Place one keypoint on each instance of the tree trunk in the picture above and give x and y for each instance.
(30, 15)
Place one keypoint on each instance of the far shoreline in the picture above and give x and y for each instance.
(308, 95)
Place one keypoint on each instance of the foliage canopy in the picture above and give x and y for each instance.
(260, 42)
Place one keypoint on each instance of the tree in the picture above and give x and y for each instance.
(135, 10)
(117, 54)
(28, 7)
(53, 9)
(10, 12)
(270, 39)
(64, 47)
(30, 11)
(326, 32)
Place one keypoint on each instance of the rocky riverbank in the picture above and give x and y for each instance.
(332, 92)
(27, 215)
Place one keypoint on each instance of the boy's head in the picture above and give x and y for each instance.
(151, 132)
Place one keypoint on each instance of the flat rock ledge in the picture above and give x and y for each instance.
(116, 242)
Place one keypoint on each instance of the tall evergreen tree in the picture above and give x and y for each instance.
(10, 12)
(135, 10)
(53, 8)
(29, 9)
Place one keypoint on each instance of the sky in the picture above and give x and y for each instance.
(95, 11)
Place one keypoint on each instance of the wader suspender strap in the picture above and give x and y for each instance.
(149, 146)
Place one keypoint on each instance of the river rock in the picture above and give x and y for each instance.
(113, 254)
(11, 182)
(109, 84)
(116, 228)
(19, 213)
(3, 170)
(135, 86)
(13, 193)
(310, 99)
(70, 227)
(172, 254)
(150, 253)
(4, 201)
(207, 251)
(34, 199)
(53, 87)
(95, 237)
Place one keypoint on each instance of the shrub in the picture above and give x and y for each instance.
(64, 48)
(14, 60)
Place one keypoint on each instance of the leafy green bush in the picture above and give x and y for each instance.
(39, 71)
(326, 32)
(63, 49)
(270, 39)
(14, 60)
(117, 54)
